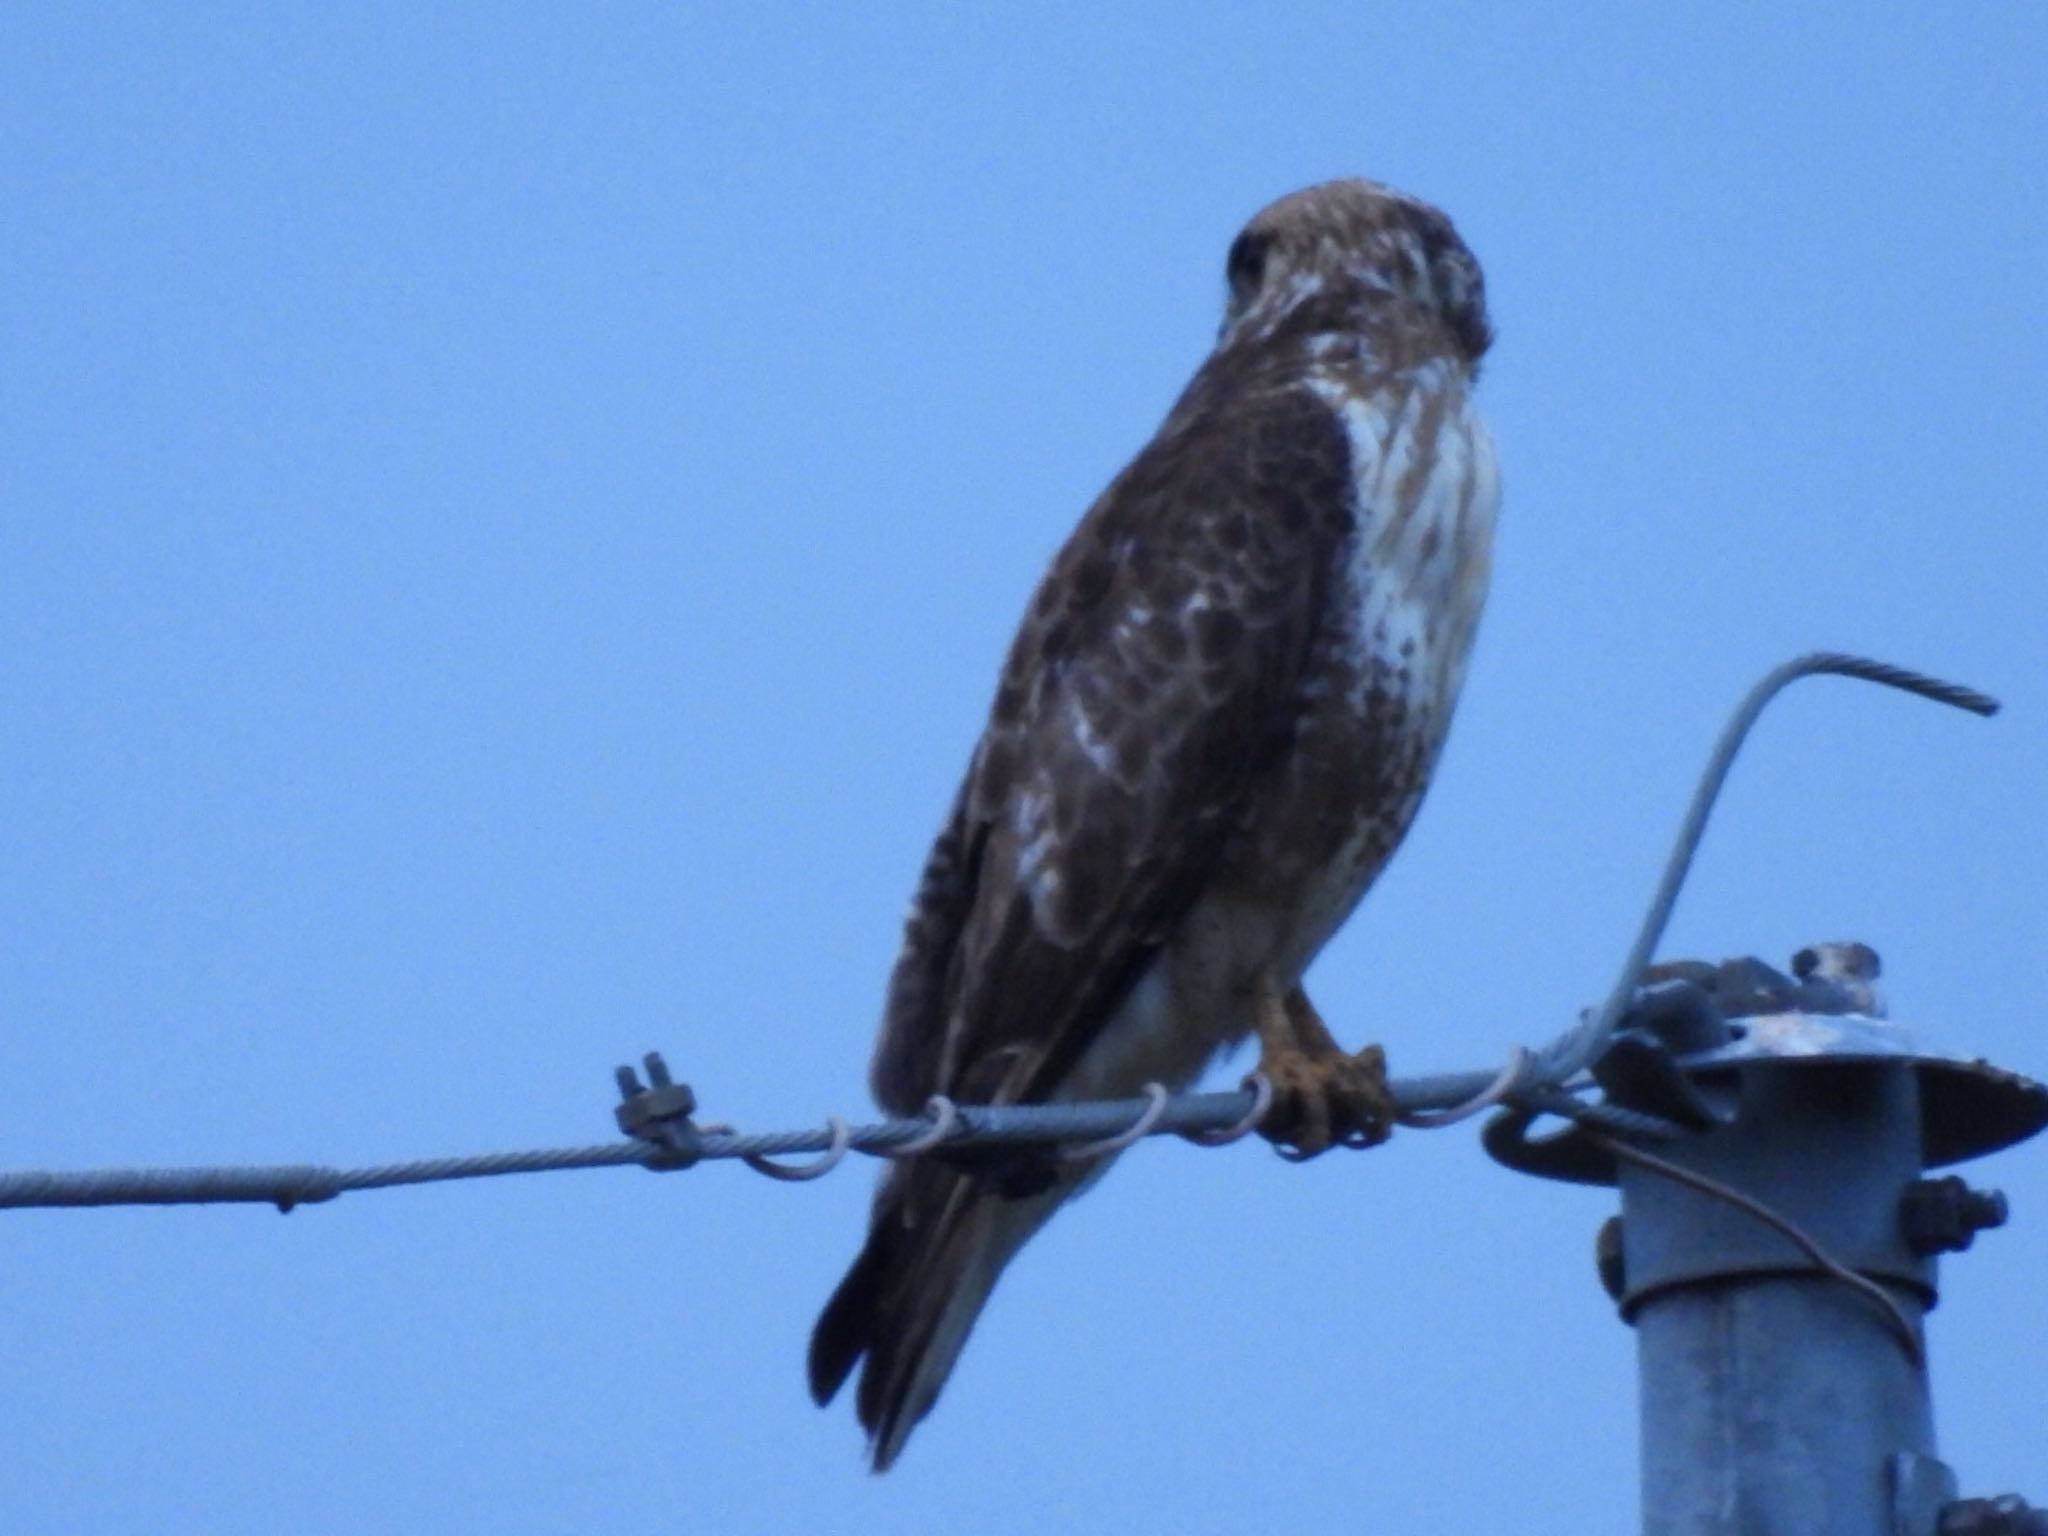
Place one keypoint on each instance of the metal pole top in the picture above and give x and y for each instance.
(1777, 1245)
(1697, 1032)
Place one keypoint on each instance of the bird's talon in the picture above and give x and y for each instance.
(1322, 1101)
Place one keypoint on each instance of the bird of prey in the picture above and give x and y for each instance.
(1213, 727)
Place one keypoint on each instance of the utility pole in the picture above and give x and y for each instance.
(1784, 1383)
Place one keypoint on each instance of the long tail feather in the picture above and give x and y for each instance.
(935, 1248)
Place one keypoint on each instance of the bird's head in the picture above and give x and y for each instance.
(1354, 255)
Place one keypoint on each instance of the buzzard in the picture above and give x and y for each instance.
(1212, 729)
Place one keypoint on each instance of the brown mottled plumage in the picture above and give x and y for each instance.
(1214, 725)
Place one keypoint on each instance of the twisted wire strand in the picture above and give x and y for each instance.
(1197, 1117)
(1532, 1080)
(290, 1185)
(1189, 1115)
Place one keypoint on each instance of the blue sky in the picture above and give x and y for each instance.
(510, 517)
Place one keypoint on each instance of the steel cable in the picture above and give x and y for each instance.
(1534, 1080)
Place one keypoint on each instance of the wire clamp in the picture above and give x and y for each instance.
(658, 1112)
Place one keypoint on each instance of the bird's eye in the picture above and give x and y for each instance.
(1247, 262)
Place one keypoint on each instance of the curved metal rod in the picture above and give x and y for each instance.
(1260, 1087)
(945, 1117)
(1498, 1091)
(1784, 1226)
(1578, 1048)
(1139, 1129)
(799, 1173)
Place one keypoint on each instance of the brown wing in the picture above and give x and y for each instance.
(1157, 676)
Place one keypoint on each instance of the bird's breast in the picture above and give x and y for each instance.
(1388, 664)
(1425, 493)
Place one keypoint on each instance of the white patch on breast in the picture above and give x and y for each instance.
(1418, 569)
(1415, 577)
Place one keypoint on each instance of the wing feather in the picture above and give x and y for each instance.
(1156, 678)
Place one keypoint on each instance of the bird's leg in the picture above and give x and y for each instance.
(1322, 1095)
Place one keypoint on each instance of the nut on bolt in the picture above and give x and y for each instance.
(658, 1112)
(1945, 1215)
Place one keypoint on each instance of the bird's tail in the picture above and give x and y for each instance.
(937, 1243)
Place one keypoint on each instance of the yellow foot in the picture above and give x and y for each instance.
(1323, 1097)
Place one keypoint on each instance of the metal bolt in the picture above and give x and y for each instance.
(1607, 1257)
(1945, 1215)
(658, 1113)
(2006, 1515)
